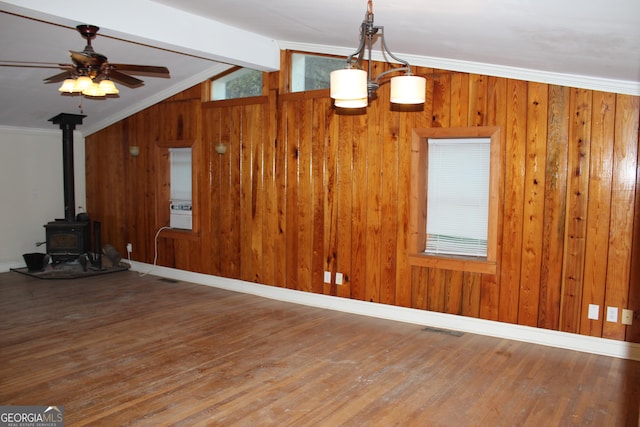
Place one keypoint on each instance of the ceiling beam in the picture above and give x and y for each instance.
(157, 25)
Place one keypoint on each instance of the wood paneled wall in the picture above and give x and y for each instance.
(303, 190)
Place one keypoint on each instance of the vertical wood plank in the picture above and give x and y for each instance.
(374, 200)
(436, 281)
(344, 204)
(281, 184)
(270, 217)
(625, 162)
(477, 114)
(336, 126)
(403, 295)
(389, 202)
(247, 207)
(633, 331)
(293, 117)
(453, 292)
(441, 105)
(514, 162)
(597, 237)
(358, 277)
(321, 118)
(496, 116)
(577, 202)
(533, 215)
(459, 90)
(255, 120)
(555, 197)
(420, 281)
(305, 198)
(471, 288)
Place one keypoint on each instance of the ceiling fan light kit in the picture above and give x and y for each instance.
(352, 87)
(88, 87)
(91, 74)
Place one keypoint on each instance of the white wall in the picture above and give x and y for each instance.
(31, 188)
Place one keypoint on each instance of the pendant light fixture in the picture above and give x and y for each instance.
(352, 87)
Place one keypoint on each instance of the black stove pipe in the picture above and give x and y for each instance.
(68, 124)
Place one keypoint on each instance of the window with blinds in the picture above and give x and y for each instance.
(458, 196)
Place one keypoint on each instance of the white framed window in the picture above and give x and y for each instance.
(458, 196)
(311, 72)
(241, 83)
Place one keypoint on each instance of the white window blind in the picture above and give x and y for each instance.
(458, 196)
(180, 159)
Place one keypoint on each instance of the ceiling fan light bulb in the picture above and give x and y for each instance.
(108, 87)
(67, 86)
(93, 90)
(408, 90)
(82, 83)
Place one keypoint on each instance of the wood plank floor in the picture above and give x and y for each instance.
(121, 349)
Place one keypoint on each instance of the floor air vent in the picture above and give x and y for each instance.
(444, 331)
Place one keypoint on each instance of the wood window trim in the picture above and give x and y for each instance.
(418, 194)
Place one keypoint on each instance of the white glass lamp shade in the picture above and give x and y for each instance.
(82, 83)
(408, 89)
(108, 87)
(93, 90)
(348, 84)
(351, 103)
(68, 86)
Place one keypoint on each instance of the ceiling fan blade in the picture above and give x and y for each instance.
(149, 70)
(125, 79)
(58, 77)
(33, 64)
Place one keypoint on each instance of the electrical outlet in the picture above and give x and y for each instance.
(327, 277)
(612, 314)
(338, 278)
(594, 312)
(129, 248)
(627, 316)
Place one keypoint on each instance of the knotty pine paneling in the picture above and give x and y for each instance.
(304, 189)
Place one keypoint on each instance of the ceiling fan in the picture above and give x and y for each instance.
(90, 72)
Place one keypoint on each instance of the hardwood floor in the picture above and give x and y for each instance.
(121, 349)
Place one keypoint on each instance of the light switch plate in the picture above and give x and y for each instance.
(594, 312)
(338, 278)
(627, 316)
(327, 277)
(612, 314)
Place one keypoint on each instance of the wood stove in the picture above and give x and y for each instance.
(68, 238)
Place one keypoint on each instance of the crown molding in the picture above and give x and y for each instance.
(571, 80)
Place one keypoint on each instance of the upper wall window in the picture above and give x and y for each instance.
(310, 72)
(241, 83)
(455, 194)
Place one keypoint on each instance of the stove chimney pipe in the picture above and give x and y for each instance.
(68, 124)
